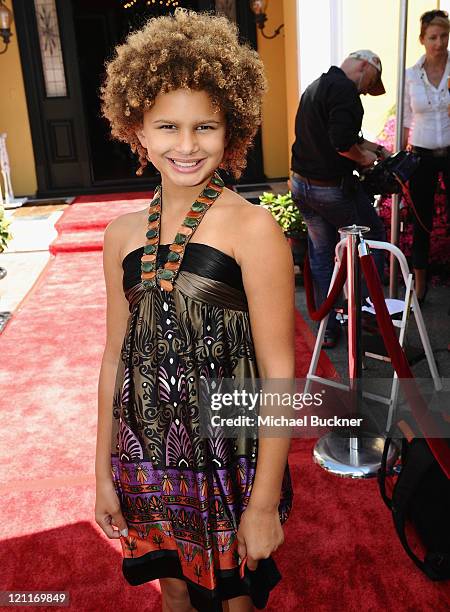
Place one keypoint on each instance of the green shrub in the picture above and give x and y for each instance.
(5, 235)
(284, 211)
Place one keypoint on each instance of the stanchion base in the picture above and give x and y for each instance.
(333, 453)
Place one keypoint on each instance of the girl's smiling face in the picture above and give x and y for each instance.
(184, 135)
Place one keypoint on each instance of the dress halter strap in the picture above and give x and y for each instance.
(164, 277)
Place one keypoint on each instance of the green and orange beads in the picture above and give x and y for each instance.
(164, 277)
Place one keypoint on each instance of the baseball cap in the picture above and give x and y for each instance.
(372, 58)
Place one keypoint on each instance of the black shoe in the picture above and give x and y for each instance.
(331, 338)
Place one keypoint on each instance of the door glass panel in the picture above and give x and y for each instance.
(51, 53)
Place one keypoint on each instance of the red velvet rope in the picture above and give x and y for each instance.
(422, 414)
(318, 315)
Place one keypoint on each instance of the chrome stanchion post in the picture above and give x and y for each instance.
(354, 328)
(354, 456)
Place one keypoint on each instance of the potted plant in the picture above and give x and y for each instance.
(5, 236)
(288, 216)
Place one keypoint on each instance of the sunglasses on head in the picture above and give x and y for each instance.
(430, 15)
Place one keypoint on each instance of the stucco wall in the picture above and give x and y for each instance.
(291, 70)
(275, 122)
(14, 119)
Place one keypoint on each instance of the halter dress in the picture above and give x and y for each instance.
(181, 494)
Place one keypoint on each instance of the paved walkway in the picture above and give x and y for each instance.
(33, 229)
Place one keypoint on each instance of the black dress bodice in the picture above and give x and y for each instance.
(200, 259)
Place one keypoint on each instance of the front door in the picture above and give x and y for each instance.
(63, 45)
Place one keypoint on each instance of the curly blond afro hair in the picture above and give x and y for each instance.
(188, 50)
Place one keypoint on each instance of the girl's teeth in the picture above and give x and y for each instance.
(185, 164)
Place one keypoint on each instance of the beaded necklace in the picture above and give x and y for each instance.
(151, 275)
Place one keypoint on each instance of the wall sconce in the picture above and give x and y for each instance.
(258, 7)
(6, 19)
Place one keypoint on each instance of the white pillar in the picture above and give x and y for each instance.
(319, 35)
(10, 200)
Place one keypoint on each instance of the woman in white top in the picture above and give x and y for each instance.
(427, 128)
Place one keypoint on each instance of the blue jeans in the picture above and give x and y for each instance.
(325, 210)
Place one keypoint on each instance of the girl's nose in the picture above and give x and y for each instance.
(187, 142)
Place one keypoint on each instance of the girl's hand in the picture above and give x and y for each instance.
(259, 535)
(107, 511)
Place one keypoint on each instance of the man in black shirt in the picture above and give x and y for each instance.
(327, 148)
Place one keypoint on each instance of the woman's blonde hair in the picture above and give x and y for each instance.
(437, 18)
(188, 50)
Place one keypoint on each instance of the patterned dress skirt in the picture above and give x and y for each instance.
(181, 494)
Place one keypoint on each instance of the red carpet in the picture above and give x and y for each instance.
(113, 197)
(78, 241)
(82, 224)
(340, 554)
(96, 214)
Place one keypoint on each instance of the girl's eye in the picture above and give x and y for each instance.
(170, 126)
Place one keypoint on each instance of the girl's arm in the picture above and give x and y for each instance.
(107, 504)
(268, 275)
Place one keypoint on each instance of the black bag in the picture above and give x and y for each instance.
(261, 581)
(387, 176)
(421, 498)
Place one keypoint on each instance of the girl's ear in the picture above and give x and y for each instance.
(141, 137)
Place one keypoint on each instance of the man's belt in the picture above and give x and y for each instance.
(318, 182)
(442, 152)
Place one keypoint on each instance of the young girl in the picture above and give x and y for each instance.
(199, 286)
